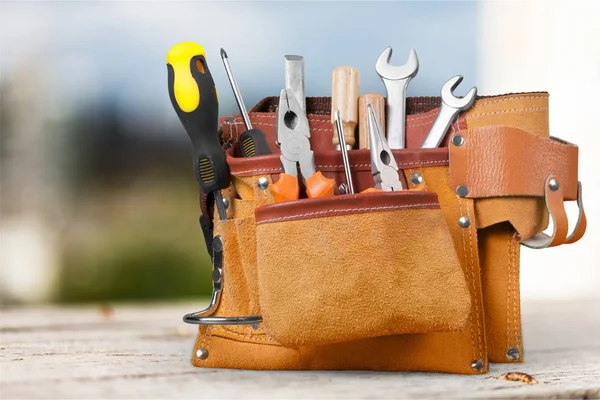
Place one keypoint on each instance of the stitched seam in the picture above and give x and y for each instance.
(486, 102)
(225, 331)
(515, 296)
(508, 292)
(473, 276)
(256, 170)
(204, 338)
(432, 116)
(421, 124)
(261, 124)
(237, 133)
(406, 163)
(508, 111)
(209, 333)
(296, 216)
(465, 254)
(241, 331)
(402, 164)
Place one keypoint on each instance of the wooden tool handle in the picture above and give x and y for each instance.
(344, 97)
(378, 103)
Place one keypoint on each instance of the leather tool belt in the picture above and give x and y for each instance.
(425, 279)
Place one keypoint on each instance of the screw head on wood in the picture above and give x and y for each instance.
(553, 184)
(263, 183)
(458, 140)
(513, 353)
(464, 222)
(416, 178)
(462, 190)
(202, 354)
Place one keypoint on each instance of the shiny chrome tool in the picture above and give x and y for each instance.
(383, 165)
(396, 79)
(252, 142)
(449, 110)
(349, 187)
(294, 78)
(293, 137)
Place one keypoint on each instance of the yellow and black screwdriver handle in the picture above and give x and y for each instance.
(194, 97)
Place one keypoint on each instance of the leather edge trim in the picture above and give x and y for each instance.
(345, 205)
(332, 161)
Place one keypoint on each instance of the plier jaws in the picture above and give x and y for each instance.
(383, 165)
(293, 136)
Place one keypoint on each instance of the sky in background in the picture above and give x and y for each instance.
(96, 51)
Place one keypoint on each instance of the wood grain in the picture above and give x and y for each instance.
(378, 103)
(345, 83)
(144, 351)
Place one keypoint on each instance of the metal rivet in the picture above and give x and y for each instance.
(202, 354)
(464, 222)
(217, 244)
(513, 353)
(263, 183)
(477, 365)
(553, 184)
(216, 275)
(226, 203)
(343, 189)
(457, 140)
(230, 121)
(462, 191)
(254, 326)
(416, 178)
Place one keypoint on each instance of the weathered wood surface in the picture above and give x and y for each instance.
(144, 351)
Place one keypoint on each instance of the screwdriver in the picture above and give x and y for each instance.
(349, 187)
(344, 97)
(194, 98)
(253, 142)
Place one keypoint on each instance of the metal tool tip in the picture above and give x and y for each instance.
(223, 53)
(338, 115)
(370, 108)
(292, 57)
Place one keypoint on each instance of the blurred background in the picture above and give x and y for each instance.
(98, 198)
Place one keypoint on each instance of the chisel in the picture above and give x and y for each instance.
(252, 142)
(194, 98)
(344, 97)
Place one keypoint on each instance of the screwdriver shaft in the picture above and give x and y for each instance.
(236, 90)
(344, 150)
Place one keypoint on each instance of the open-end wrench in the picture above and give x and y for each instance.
(449, 110)
(396, 79)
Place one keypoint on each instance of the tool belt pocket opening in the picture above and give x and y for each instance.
(349, 267)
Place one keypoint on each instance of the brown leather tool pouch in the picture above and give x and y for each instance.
(358, 266)
(426, 279)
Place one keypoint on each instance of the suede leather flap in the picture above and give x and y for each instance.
(358, 266)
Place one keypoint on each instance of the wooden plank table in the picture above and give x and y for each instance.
(144, 351)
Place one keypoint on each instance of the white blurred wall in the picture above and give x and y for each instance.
(553, 46)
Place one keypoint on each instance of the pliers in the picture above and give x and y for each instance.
(293, 138)
(383, 165)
